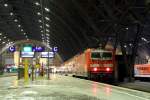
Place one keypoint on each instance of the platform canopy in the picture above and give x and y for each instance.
(74, 25)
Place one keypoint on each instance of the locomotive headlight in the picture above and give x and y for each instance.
(108, 65)
(94, 65)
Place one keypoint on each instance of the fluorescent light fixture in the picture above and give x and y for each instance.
(47, 18)
(38, 13)
(6, 5)
(40, 20)
(37, 3)
(15, 20)
(47, 25)
(47, 9)
(11, 13)
(130, 44)
(47, 34)
(47, 30)
(19, 25)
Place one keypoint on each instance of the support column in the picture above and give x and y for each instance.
(134, 51)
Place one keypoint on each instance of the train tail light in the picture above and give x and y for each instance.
(95, 69)
(107, 69)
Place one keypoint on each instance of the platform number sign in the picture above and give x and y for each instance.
(55, 49)
(12, 49)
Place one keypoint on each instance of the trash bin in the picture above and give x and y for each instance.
(20, 73)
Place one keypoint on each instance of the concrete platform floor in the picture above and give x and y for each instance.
(64, 88)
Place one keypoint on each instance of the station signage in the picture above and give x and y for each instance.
(12, 48)
(38, 49)
(27, 49)
(55, 49)
(47, 54)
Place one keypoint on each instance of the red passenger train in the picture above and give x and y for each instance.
(93, 63)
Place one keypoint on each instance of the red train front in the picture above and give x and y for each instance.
(100, 64)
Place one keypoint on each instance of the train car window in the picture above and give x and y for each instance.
(107, 55)
(95, 55)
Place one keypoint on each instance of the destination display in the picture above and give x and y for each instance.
(27, 54)
(47, 54)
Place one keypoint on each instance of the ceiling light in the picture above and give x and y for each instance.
(5, 37)
(40, 20)
(37, 3)
(47, 30)
(24, 33)
(8, 40)
(40, 26)
(19, 25)
(15, 20)
(0, 33)
(0, 39)
(47, 9)
(130, 44)
(47, 25)
(6, 5)
(21, 30)
(47, 18)
(11, 13)
(3, 42)
(47, 34)
(38, 13)
(41, 31)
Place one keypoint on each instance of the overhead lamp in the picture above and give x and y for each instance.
(15, 20)
(41, 31)
(40, 20)
(0, 33)
(47, 18)
(40, 26)
(5, 37)
(6, 5)
(130, 44)
(11, 13)
(3, 42)
(47, 30)
(21, 30)
(19, 25)
(47, 34)
(127, 28)
(0, 39)
(38, 13)
(37, 3)
(47, 25)
(125, 46)
(24, 33)
(47, 9)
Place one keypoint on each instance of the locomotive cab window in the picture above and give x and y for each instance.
(106, 55)
(95, 55)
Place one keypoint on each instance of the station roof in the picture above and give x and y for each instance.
(74, 25)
